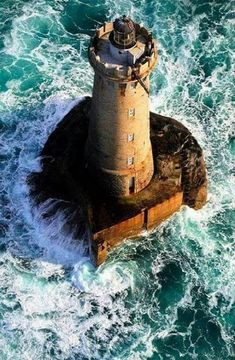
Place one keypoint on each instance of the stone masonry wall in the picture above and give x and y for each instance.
(106, 239)
(118, 145)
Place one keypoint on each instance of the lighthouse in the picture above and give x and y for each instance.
(118, 168)
(118, 152)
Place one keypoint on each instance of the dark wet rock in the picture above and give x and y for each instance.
(178, 161)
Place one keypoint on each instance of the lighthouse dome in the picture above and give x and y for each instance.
(124, 35)
(124, 25)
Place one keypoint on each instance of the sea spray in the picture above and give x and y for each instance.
(168, 294)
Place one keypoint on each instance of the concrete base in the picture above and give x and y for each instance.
(179, 178)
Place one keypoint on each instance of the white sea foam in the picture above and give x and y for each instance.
(52, 297)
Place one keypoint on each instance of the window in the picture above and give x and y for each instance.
(130, 161)
(131, 112)
(130, 137)
(131, 185)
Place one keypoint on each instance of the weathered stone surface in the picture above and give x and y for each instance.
(118, 151)
(179, 178)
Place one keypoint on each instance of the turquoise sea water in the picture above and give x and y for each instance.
(169, 294)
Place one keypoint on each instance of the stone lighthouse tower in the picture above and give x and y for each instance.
(115, 177)
(118, 150)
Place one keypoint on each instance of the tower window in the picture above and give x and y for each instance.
(130, 160)
(131, 185)
(130, 137)
(131, 112)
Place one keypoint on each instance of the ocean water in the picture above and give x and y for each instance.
(169, 294)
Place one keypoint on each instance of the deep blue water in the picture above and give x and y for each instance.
(169, 294)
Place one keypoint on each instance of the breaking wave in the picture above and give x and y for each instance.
(169, 294)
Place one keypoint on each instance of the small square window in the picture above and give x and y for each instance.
(130, 161)
(130, 137)
(131, 112)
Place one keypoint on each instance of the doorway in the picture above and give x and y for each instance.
(131, 185)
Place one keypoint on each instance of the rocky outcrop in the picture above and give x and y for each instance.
(175, 146)
(179, 178)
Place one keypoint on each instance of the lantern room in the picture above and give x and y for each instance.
(124, 34)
